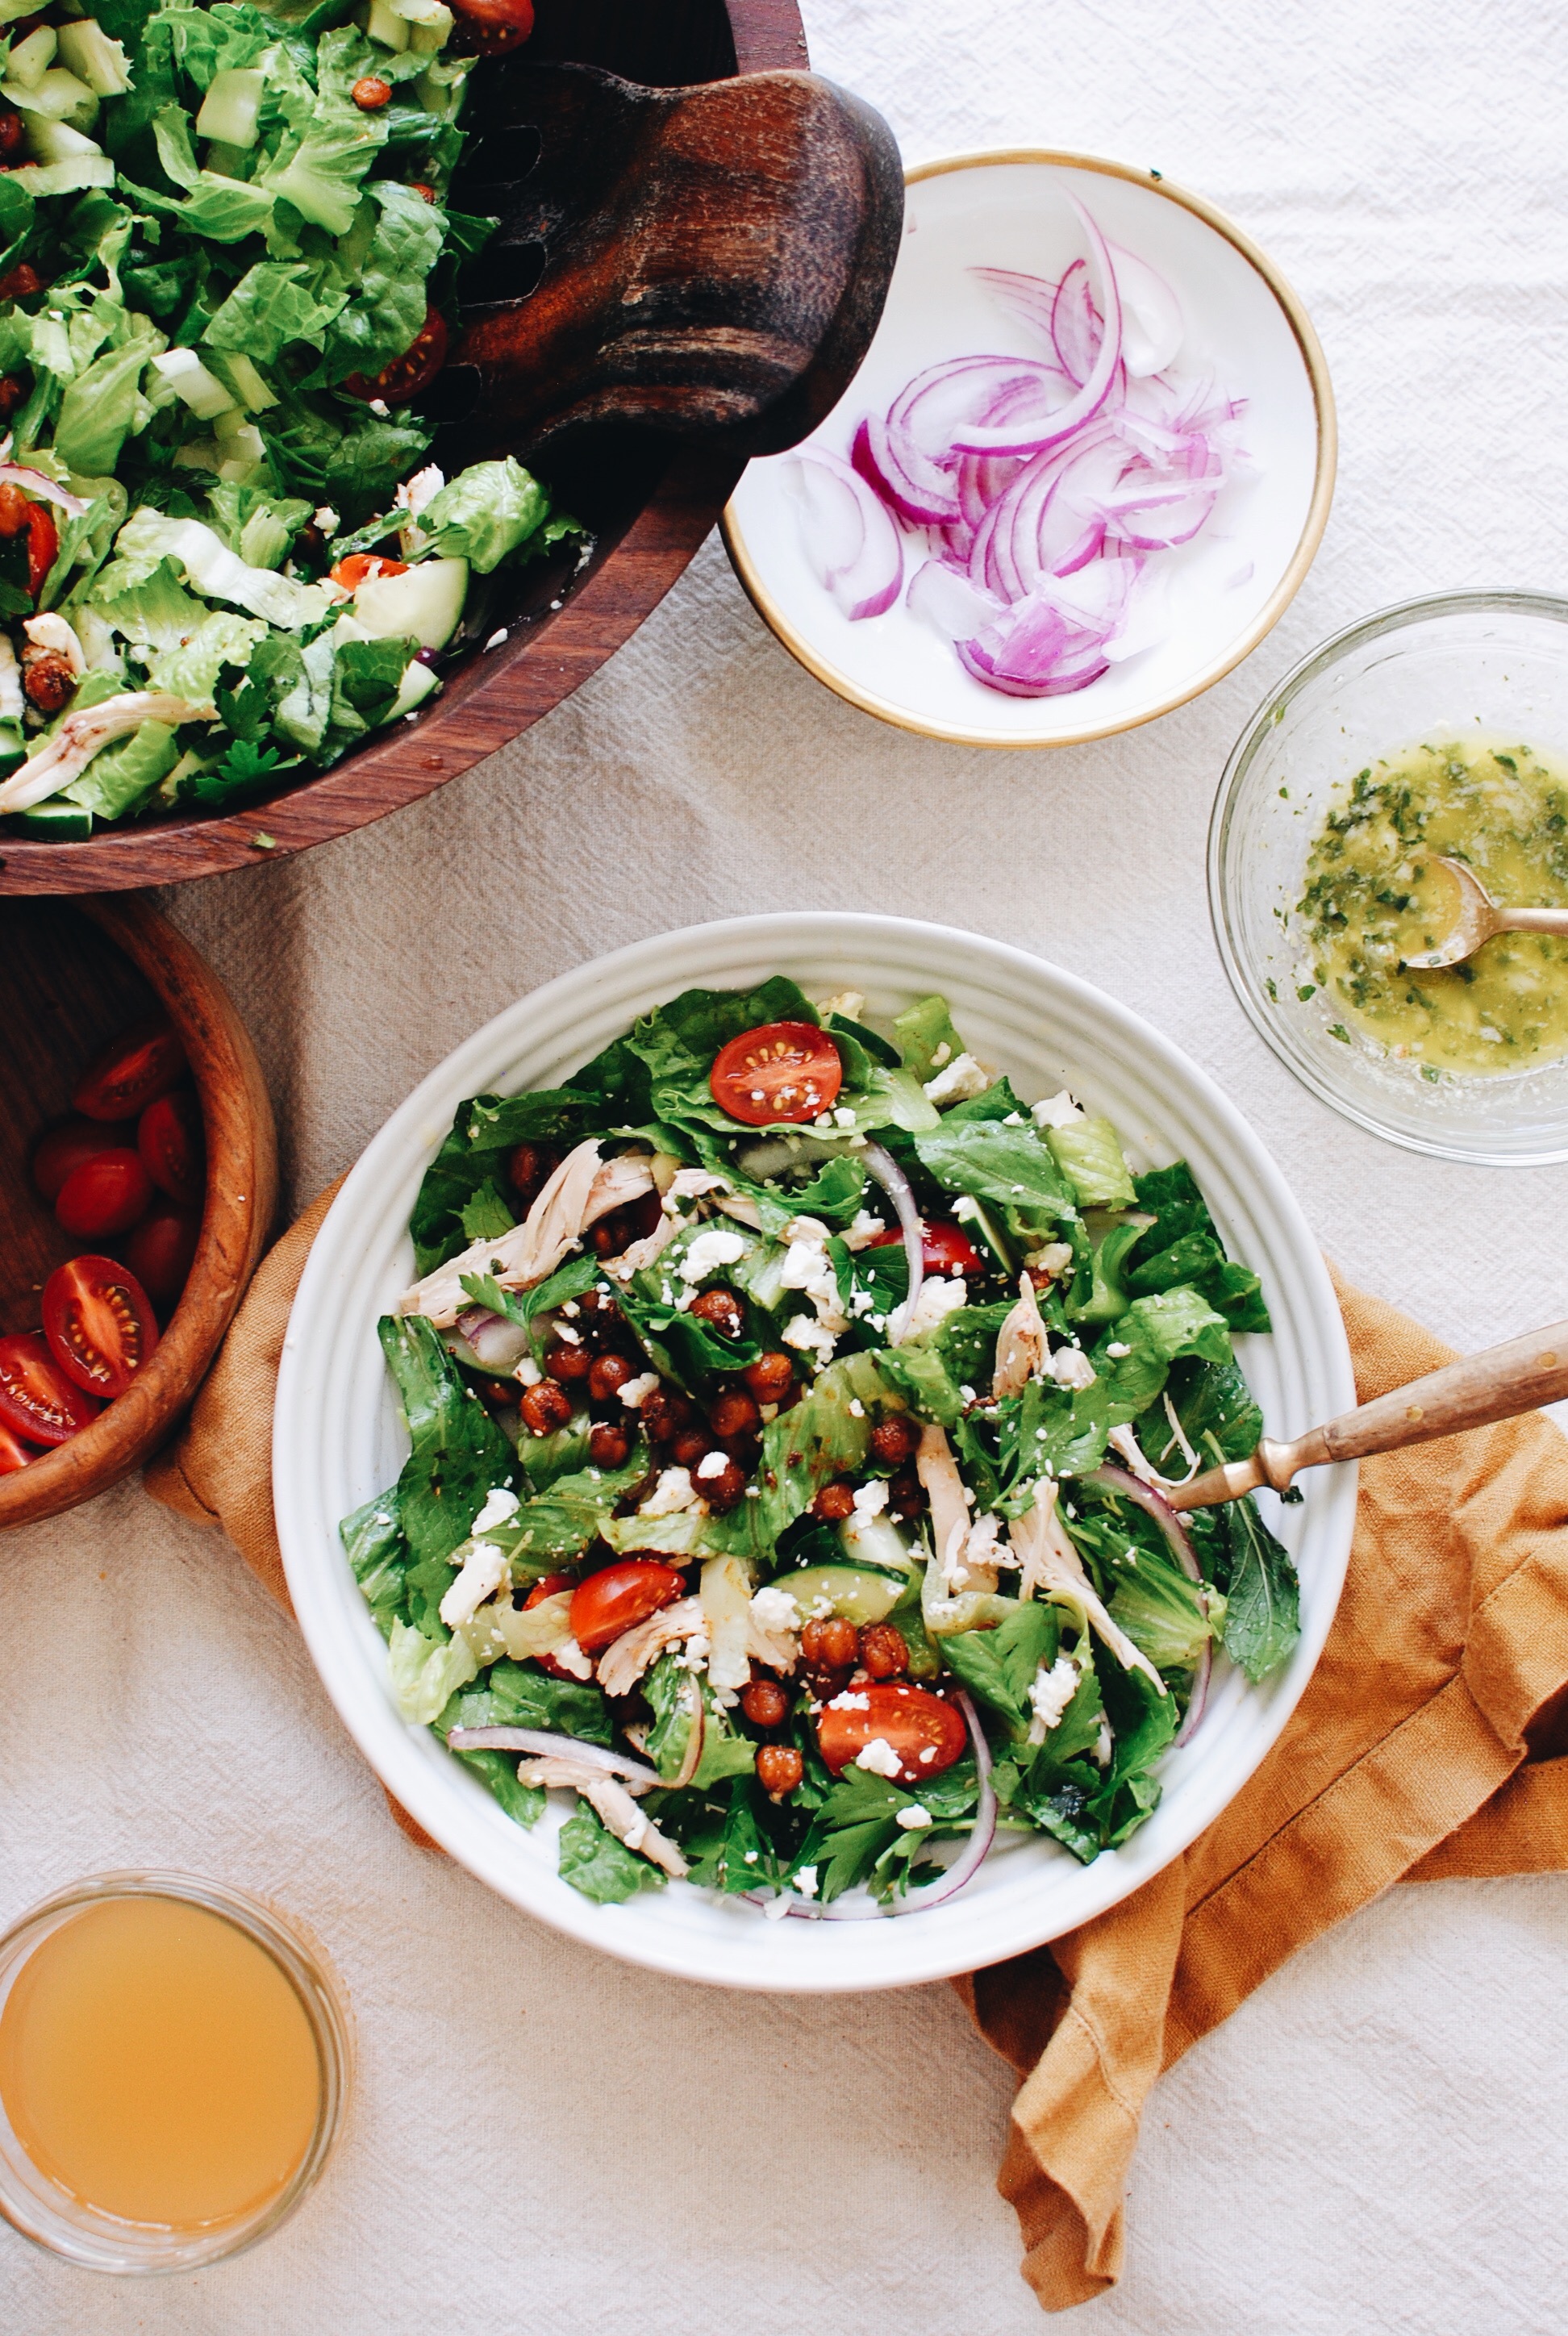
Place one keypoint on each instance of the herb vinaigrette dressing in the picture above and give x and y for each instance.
(1373, 891)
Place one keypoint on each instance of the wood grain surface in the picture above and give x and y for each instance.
(649, 504)
(72, 978)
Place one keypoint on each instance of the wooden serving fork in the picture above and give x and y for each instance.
(699, 260)
(1471, 1393)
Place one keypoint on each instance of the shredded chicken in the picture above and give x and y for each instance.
(742, 1208)
(772, 1630)
(1023, 1347)
(80, 735)
(614, 1802)
(1050, 1563)
(625, 1659)
(964, 1551)
(726, 1607)
(584, 1189)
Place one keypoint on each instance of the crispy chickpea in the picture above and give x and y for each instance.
(664, 1414)
(725, 1489)
(496, 1395)
(765, 1703)
(830, 1644)
(779, 1768)
(567, 1361)
(19, 282)
(545, 1406)
(371, 93)
(883, 1650)
(721, 1310)
(906, 1495)
(894, 1442)
(608, 1374)
(771, 1377)
(610, 1236)
(14, 508)
(834, 1502)
(599, 1316)
(609, 1447)
(13, 393)
(689, 1446)
(47, 680)
(734, 1413)
(11, 131)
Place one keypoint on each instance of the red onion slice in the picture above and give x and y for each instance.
(544, 1746)
(850, 539)
(1109, 1478)
(900, 1192)
(1014, 438)
(42, 489)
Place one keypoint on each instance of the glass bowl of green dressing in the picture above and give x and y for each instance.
(1436, 729)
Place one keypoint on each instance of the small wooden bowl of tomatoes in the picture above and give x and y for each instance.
(138, 1181)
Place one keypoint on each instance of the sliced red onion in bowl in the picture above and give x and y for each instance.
(900, 1193)
(1108, 1478)
(849, 536)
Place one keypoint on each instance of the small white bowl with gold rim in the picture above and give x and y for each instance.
(1222, 591)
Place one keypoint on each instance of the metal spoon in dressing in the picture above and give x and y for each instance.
(1480, 918)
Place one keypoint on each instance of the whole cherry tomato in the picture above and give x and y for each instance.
(61, 1148)
(783, 1071)
(926, 1734)
(414, 371)
(366, 566)
(104, 1196)
(550, 1587)
(610, 1601)
(14, 1453)
(37, 1401)
(143, 1062)
(945, 1247)
(161, 1249)
(99, 1322)
(173, 1144)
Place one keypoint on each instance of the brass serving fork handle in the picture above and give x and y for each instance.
(1498, 1384)
(1479, 917)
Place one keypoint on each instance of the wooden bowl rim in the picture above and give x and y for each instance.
(501, 692)
(235, 1219)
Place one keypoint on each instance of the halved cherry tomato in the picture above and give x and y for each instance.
(945, 1247)
(146, 1061)
(926, 1734)
(159, 1251)
(104, 1196)
(37, 1401)
(42, 546)
(787, 1071)
(550, 1587)
(414, 371)
(610, 1601)
(65, 1147)
(14, 1453)
(99, 1322)
(491, 26)
(360, 567)
(173, 1144)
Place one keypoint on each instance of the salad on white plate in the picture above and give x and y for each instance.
(789, 1408)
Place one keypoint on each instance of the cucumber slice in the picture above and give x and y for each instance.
(860, 1594)
(231, 109)
(425, 602)
(87, 51)
(986, 1234)
(876, 1542)
(54, 823)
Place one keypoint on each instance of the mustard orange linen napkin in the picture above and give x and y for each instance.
(1422, 1749)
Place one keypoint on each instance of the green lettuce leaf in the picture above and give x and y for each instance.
(924, 1029)
(457, 1456)
(1262, 1602)
(594, 1862)
(487, 511)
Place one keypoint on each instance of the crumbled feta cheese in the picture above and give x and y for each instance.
(636, 1392)
(483, 1572)
(1054, 1258)
(709, 1252)
(564, 1331)
(937, 1300)
(1071, 1367)
(842, 1116)
(1054, 1111)
(526, 1372)
(1050, 1693)
(866, 1228)
(712, 1464)
(807, 1337)
(879, 1757)
(774, 1610)
(673, 1492)
(941, 1054)
(498, 1504)
(871, 1499)
(857, 1409)
(962, 1078)
(926, 1755)
(327, 519)
(848, 1701)
(379, 405)
(496, 637)
(849, 1003)
(1117, 1348)
(914, 1819)
(1103, 1745)
(805, 1879)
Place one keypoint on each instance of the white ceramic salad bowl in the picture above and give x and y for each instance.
(1243, 330)
(338, 1439)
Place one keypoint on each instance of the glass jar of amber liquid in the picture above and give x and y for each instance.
(174, 2067)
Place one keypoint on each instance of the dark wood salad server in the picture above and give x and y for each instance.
(1497, 1384)
(711, 260)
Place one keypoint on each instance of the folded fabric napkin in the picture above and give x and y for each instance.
(1425, 1748)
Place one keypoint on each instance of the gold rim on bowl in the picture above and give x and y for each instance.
(1279, 600)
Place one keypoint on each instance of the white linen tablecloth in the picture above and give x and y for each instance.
(544, 2141)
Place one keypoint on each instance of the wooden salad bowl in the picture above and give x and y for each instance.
(72, 978)
(648, 499)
